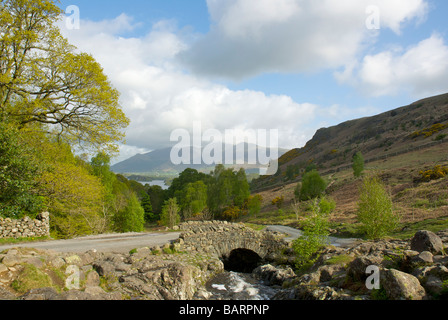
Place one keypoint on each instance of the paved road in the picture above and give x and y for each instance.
(102, 243)
(293, 234)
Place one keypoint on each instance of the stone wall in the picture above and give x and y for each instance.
(219, 238)
(26, 227)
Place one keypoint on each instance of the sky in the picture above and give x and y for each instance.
(289, 65)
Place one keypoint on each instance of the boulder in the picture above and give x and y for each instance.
(272, 275)
(358, 267)
(401, 286)
(427, 241)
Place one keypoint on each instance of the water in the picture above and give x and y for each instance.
(231, 285)
(160, 183)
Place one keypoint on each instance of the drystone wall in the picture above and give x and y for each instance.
(25, 227)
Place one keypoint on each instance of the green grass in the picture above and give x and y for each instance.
(254, 226)
(31, 278)
(6, 241)
(408, 230)
(342, 259)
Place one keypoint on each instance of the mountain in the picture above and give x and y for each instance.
(159, 161)
(417, 126)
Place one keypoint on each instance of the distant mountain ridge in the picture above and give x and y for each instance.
(159, 161)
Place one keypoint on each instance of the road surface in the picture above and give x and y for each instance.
(121, 243)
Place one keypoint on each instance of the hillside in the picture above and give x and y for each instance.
(420, 125)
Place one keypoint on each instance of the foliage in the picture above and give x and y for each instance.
(147, 208)
(193, 199)
(375, 209)
(170, 213)
(437, 172)
(326, 205)
(313, 185)
(231, 213)
(158, 197)
(278, 201)
(43, 79)
(314, 237)
(226, 188)
(428, 132)
(358, 164)
(131, 217)
(18, 166)
(254, 204)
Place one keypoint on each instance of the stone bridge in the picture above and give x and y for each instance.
(238, 246)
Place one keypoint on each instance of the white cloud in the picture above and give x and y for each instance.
(420, 70)
(159, 97)
(249, 37)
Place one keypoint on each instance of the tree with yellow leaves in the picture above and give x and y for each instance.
(44, 80)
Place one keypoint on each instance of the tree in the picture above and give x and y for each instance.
(44, 80)
(254, 204)
(147, 208)
(295, 206)
(170, 213)
(194, 199)
(220, 189)
(74, 199)
(18, 167)
(131, 217)
(157, 196)
(313, 185)
(358, 164)
(241, 189)
(375, 209)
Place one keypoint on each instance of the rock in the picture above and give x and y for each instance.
(434, 286)
(401, 286)
(56, 262)
(6, 295)
(11, 260)
(358, 267)
(425, 257)
(42, 294)
(104, 268)
(95, 291)
(73, 260)
(3, 268)
(92, 279)
(328, 273)
(427, 241)
(272, 275)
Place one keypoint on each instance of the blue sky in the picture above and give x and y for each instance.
(293, 65)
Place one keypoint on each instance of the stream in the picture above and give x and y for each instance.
(231, 285)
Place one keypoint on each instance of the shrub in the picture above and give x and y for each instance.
(327, 205)
(437, 172)
(375, 209)
(231, 213)
(278, 202)
(313, 185)
(315, 236)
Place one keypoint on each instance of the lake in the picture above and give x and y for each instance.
(160, 183)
